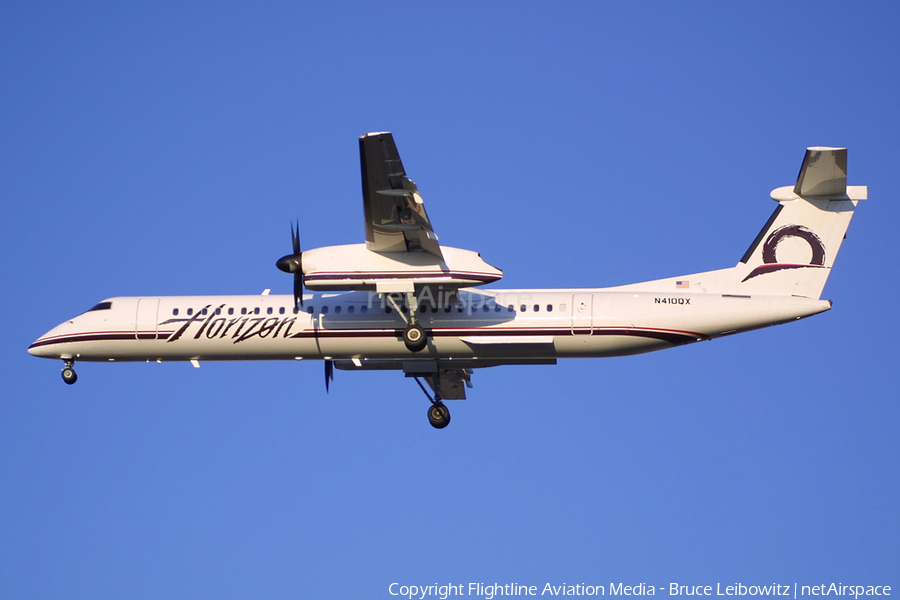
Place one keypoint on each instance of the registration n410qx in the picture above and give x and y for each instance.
(402, 301)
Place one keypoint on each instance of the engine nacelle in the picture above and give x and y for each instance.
(354, 267)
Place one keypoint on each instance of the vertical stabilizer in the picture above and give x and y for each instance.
(794, 253)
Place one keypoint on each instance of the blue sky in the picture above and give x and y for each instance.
(163, 149)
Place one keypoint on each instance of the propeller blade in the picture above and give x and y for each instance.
(293, 263)
(329, 374)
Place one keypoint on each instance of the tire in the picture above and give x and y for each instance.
(69, 375)
(438, 415)
(414, 337)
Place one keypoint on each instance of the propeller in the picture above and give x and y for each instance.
(293, 263)
(329, 373)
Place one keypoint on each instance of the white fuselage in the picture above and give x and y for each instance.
(481, 324)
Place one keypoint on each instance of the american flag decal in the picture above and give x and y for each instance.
(684, 283)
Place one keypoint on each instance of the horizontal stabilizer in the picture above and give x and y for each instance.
(823, 173)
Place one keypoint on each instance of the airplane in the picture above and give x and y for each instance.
(401, 301)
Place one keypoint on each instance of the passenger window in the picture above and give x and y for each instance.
(537, 308)
(486, 308)
(522, 308)
(190, 311)
(363, 309)
(510, 308)
(203, 311)
(175, 311)
(218, 311)
(281, 311)
(562, 307)
(549, 308)
(243, 311)
(230, 311)
(387, 310)
(311, 310)
(269, 311)
(256, 311)
(324, 310)
(350, 309)
(337, 310)
(497, 308)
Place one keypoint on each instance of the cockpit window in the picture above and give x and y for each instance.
(101, 306)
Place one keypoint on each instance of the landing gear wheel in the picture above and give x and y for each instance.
(414, 337)
(69, 375)
(438, 415)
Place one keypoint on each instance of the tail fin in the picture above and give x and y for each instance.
(794, 252)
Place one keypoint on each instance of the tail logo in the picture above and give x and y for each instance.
(817, 261)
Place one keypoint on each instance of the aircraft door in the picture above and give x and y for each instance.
(145, 321)
(582, 314)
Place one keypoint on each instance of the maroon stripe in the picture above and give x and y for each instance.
(84, 338)
(675, 338)
(99, 337)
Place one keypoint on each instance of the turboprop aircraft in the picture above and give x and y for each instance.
(404, 302)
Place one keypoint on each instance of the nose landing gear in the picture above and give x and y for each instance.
(68, 373)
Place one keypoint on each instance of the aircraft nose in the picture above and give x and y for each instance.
(47, 345)
(38, 347)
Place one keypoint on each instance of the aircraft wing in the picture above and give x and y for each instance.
(396, 220)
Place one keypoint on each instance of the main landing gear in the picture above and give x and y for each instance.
(438, 413)
(68, 373)
(414, 335)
